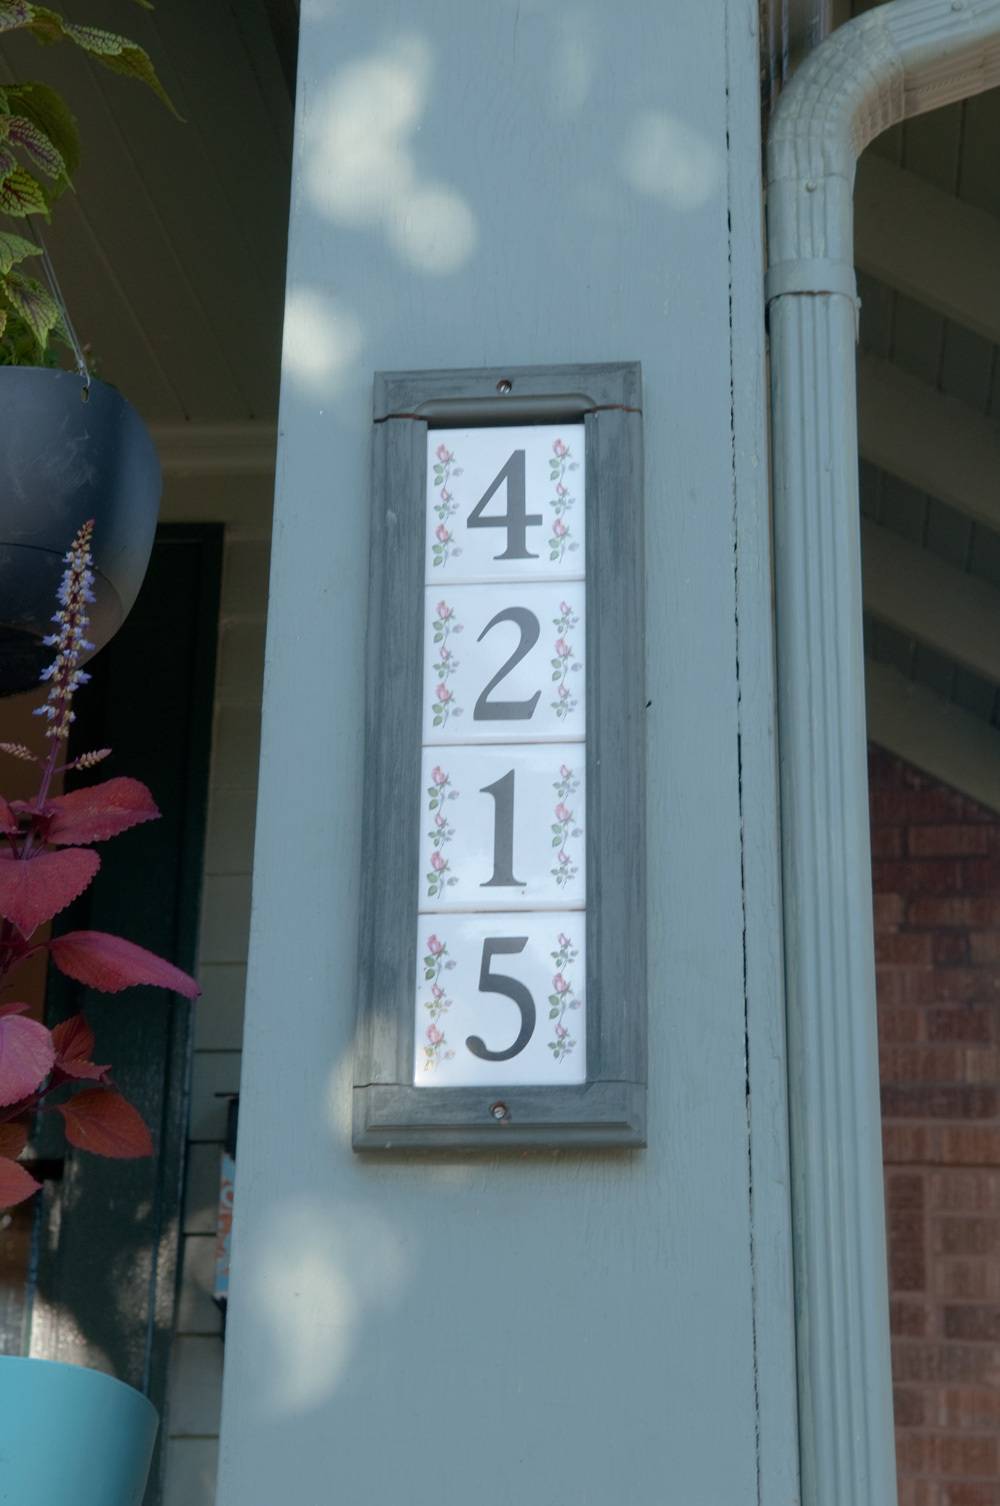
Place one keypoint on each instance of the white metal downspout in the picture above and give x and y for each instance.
(894, 62)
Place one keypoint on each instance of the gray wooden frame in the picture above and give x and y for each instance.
(610, 1107)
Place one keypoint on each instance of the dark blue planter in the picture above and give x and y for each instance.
(71, 1437)
(63, 460)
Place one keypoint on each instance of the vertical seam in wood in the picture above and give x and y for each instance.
(734, 524)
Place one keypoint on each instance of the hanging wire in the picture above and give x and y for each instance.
(56, 291)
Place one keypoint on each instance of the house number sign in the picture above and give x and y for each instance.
(502, 947)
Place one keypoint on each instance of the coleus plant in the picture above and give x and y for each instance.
(46, 861)
(39, 153)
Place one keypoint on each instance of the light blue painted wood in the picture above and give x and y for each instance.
(550, 1328)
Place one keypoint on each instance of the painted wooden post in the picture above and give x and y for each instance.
(475, 186)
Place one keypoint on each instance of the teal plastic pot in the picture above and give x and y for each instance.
(71, 1437)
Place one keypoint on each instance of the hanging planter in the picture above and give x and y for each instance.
(69, 451)
(71, 1437)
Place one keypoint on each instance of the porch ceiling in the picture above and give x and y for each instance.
(928, 253)
(171, 252)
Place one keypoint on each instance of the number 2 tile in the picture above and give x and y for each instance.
(504, 663)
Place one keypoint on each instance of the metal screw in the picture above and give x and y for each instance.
(504, 387)
(811, 186)
(499, 1111)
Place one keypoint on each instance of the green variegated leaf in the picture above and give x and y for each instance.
(20, 194)
(34, 143)
(3, 321)
(46, 25)
(14, 248)
(35, 304)
(118, 54)
(46, 110)
(15, 13)
(8, 162)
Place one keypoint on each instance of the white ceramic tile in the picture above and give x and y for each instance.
(539, 962)
(472, 634)
(540, 493)
(502, 828)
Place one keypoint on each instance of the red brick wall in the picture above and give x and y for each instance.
(936, 868)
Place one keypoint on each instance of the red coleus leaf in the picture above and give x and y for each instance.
(98, 812)
(109, 963)
(15, 1008)
(26, 1057)
(8, 821)
(102, 1121)
(32, 890)
(13, 1138)
(15, 1183)
(74, 1042)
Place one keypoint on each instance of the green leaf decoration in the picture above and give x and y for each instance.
(46, 110)
(120, 55)
(14, 248)
(34, 143)
(20, 194)
(46, 25)
(35, 304)
(15, 13)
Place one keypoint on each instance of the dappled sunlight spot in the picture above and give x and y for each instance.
(339, 1096)
(577, 66)
(356, 157)
(314, 1277)
(669, 160)
(434, 230)
(358, 164)
(54, 1327)
(322, 341)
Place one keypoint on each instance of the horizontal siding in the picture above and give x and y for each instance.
(196, 1363)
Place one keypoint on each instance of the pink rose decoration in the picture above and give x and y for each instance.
(434, 1035)
(442, 453)
(559, 984)
(562, 648)
(438, 775)
(559, 528)
(437, 862)
(562, 1032)
(437, 990)
(561, 490)
(563, 856)
(563, 693)
(443, 693)
(565, 608)
(566, 774)
(441, 533)
(434, 946)
(439, 820)
(445, 494)
(443, 610)
(445, 655)
(563, 813)
(564, 940)
(558, 448)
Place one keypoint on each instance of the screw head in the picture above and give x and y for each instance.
(499, 1111)
(504, 387)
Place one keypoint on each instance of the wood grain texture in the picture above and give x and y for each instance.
(607, 398)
